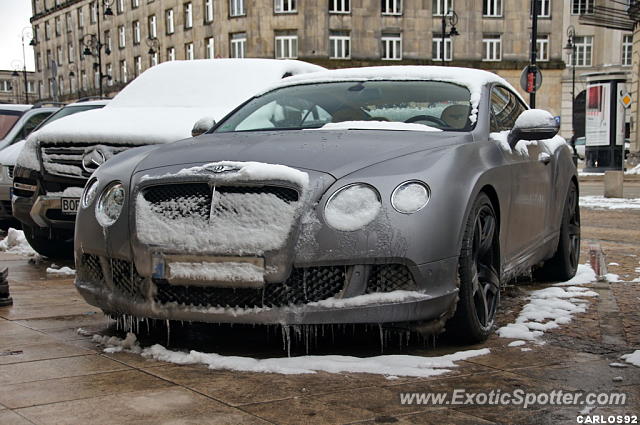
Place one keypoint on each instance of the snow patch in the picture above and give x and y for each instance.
(535, 118)
(16, 243)
(600, 202)
(517, 343)
(242, 274)
(61, 271)
(389, 365)
(352, 208)
(375, 125)
(398, 296)
(633, 358)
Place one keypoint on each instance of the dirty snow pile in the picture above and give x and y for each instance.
(60, 271)
(390, 365)
(376, 125)
(634, 170)
(551, 307)
(600, 202)
(15, 243)
(633, 358)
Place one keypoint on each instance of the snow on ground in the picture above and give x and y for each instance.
(15, 243)
(633, 358)
(551, 307)
(600, 202)
(60, 271)
(634, 170)
(390, 365)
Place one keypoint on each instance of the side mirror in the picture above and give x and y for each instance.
(203, 125)
(533, 124)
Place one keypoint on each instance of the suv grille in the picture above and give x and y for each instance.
(65, 160)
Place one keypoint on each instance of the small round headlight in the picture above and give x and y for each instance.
(352, 207)
(410, 197)
(110, 204)
(90, 192)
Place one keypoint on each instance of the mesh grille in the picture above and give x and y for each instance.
(91, 267)
(390, 277)
(303, 286)
(126, 278)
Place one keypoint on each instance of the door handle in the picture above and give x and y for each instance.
(545, 159)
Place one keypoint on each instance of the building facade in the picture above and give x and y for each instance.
(12, 87)
(493, 35)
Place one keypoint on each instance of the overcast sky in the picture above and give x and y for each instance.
(14, 16)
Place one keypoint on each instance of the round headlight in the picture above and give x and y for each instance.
(90, 192)
(352, 207)
(410, 197)
(110, 204)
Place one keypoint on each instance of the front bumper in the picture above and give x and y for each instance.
(45, 211)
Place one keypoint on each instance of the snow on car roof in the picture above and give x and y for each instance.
(472, 79)
(14, 107)
(89, 102)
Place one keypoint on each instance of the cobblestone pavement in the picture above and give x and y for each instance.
(49, 374)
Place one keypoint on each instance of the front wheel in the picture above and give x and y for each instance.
(479, 279)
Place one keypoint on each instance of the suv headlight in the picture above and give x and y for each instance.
(410, 197)
(352, 207)
(110, 204)
(90, 193)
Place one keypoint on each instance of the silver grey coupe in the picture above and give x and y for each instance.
(400, 195)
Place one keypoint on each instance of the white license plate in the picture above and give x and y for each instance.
(70, 205)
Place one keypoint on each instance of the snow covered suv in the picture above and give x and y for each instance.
(160, 106)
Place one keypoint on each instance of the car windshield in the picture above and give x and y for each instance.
(66, 111)
(432, 103)
(7, 120)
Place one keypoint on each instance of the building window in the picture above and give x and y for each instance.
(171, 54)
(80, 17)
(544, 8)
(284, 6)
(122, 33)
(286, 45)
(543, 47)
(339, 6)
(584, 48)
(209, 48)
(137, 65)
(581, 7)
(436, 48)
(70, 52)
(627, 47)
(124, 75)
(93, 12)
(391, 7)
(49, 59)
(208, 11)
(5, 86)
(47, 30)
(492, 8)
(188, 51)
(391, 47)
(236, 8)
(60, 85)
(120, 6)
(188, 15)
(31, 88)
(492, 47)
(153, 59)
(109, 75)
(135, 4)
(58, 25)
(96, 78)
(441, 7)
(168, 21)
(153, 26)
(136, 32)
(83, 80)
(238, 45)
(38, 61)
(339, 45)
(59, 55)
(67, 18)
(107, 40)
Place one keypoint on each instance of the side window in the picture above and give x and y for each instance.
(30, 125)
(505, 109)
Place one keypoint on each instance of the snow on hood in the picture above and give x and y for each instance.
(472, 79)
(9, 155)
(375, 125)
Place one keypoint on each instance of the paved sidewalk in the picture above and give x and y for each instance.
(49, 374)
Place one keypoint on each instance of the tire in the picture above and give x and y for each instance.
(564, 263)
(479, 278)
(55, 247)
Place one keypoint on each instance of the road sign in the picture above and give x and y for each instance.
(531, 79)
(625, 99)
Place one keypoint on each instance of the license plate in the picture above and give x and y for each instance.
(70, 205)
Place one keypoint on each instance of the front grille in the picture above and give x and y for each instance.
(390, 277)
(124, 275)
(65, 159)
(10, 171)
(303, 286)
(194, 199)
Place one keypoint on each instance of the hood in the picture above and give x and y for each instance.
(9, 155)
(337, 152)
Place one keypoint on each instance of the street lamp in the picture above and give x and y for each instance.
(450, 18)
(93, 44)
(27, 32)
(571, 51)
(154, 46)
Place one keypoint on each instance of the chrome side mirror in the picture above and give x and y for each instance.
(533, 124)
(203, 125)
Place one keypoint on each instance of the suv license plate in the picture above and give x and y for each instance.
(70, 205)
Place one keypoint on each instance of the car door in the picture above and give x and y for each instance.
(530, 178)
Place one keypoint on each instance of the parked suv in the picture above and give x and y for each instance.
(18, 121)
(160, 106)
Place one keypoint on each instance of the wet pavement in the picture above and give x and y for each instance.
(51, 374)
